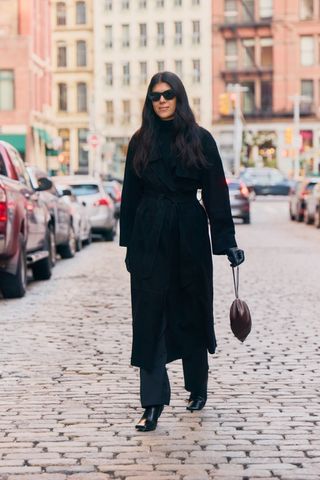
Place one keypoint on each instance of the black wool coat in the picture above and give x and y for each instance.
(165, 230)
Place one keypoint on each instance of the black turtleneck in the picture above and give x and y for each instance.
(165, 138)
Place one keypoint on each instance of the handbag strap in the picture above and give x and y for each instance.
(236, 281)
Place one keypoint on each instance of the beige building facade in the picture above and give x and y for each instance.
(272, 49)
(135, 39)
(73, 64)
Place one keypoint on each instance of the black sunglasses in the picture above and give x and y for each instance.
(167, 95)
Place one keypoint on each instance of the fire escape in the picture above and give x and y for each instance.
(241, 28)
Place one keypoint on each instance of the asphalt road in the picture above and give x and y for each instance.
(69, 399)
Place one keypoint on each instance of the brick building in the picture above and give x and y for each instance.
(25, 78)
(272, 48)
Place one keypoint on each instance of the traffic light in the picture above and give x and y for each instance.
(224, 104)
(288, 136)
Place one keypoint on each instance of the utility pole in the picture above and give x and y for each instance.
(236, 89)
(297, 99)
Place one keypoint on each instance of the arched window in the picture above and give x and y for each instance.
(82, 102)
(81, 53)
(61, 13)
(81, 13)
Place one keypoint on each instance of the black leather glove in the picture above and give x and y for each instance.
(235, 256)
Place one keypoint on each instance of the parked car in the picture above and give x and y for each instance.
(26, 230)
(298, 194)
(113, 188)
(99, 204)
(80, 218)
(239, 199)
(311, 212)
(265, 181)
(61, 216)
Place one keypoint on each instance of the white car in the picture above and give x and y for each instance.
(80, 218)
(100, 208)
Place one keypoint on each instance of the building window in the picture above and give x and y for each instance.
(178, 33)
(109, 74)
(306, 9)
(142, 4)
(143, 73)
(178, 68)
(62, 56)
(249, 98)
(266, 52)
(108, 5)
(248, 52)
(231, 54)
(62, 97)
(196, 104)
(266, 96)
(83, 153)
(81, 13)
(61, 13)
(109, 112)
(126, 73)
(108, 36)
(230, 11)
(126, 109)
(266, 9)
(248, 10)
(125, 36)
(196, 32)
(6, 90)
(178, 3)
(160, 34)
(196, 72)
(160, 3)
(160, 65)
(82, 101)
(125, 4)
(81, 53)
(143, 40)
(307, 50)
(307, 90)
(195, 2)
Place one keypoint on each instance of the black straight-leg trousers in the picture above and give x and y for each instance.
(155, 385)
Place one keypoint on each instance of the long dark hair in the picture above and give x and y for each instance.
(186, 140)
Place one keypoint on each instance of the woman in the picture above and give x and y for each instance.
(165, 230)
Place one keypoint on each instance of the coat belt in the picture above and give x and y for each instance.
(170, 203)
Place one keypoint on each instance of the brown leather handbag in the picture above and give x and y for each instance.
(240, 317)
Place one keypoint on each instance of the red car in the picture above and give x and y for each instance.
(26, 234)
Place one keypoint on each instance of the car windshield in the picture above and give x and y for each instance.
(86, 189)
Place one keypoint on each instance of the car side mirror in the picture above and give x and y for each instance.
(44, 184)
(84, 204)
(66, 192)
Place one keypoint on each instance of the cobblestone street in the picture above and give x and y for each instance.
(69, 399)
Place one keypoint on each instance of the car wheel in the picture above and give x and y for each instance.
(53, 247)
(317, 217)
(247, 220)
(109, 235)
(78, 244)
(88, 240)
(292, 217)
(41, 270)
(69, 250)
(14, 286)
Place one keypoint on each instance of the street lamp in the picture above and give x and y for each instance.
(236, 89)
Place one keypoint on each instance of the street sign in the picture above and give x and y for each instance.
(93, 140)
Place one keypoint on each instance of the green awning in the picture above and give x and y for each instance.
(18, 141)
(44, 135)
